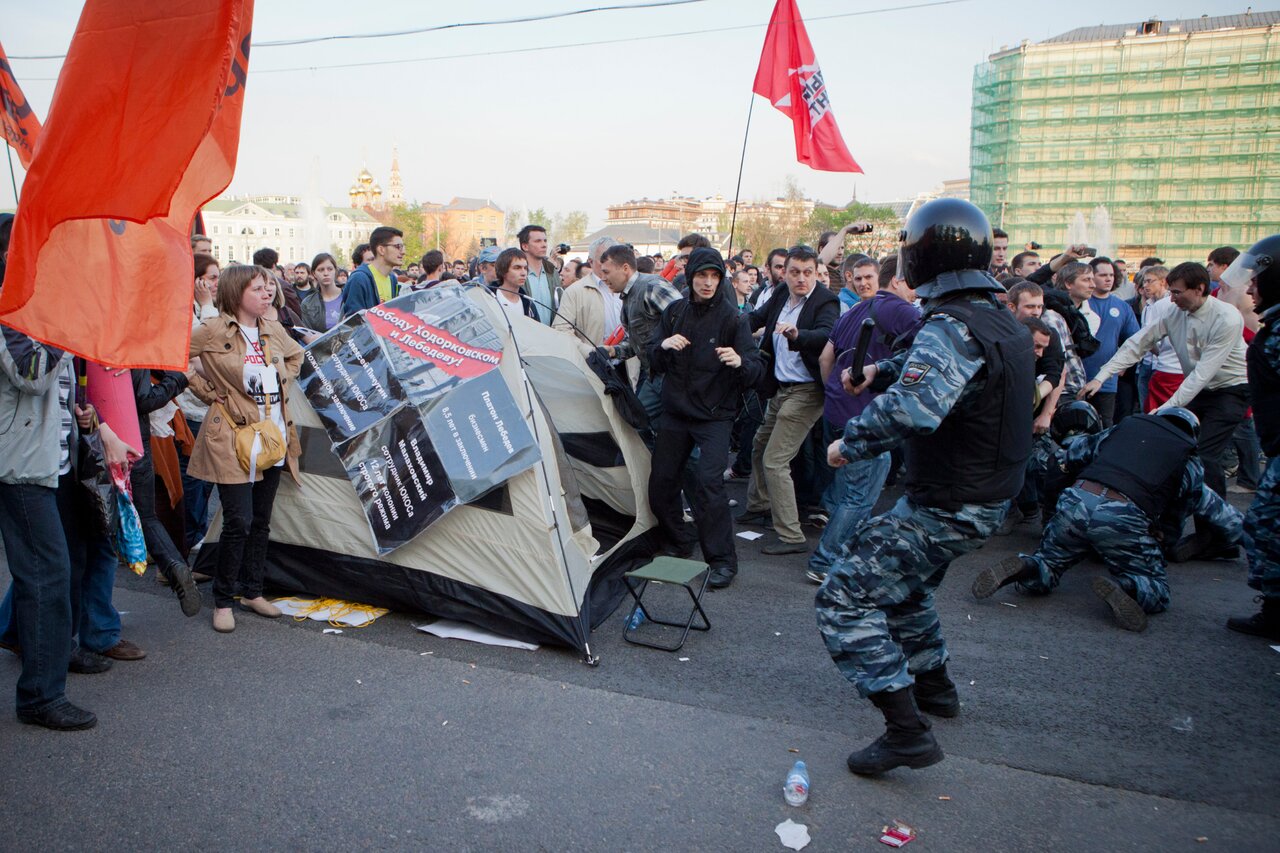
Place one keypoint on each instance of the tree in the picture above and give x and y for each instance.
(570, 227)
(880, 242)
(515, 221)
(409, 220)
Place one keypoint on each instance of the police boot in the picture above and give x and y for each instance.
(906, 742)
(1264, 623)
(936, 693)
(1010, 570)
(1128, 614)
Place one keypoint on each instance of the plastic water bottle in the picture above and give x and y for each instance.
(636, 620)
(796, 790)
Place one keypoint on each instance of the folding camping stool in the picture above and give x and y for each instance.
(673, 571)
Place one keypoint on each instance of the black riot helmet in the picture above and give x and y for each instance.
(1185, 419)
(1261, 262)
(946, 235)
(1075, 418)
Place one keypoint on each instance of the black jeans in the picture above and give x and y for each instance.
(675, 442)
(142, 476)
(1220, 412)
(246, 527)
(1105, 404)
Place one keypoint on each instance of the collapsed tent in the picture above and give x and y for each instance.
(537, 555)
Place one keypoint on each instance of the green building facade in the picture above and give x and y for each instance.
(1172, 126)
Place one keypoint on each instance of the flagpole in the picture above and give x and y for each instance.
(14, 178)
(733, 224)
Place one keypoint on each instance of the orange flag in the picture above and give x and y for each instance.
(20, 125)
(142, 131)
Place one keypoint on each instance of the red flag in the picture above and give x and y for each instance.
(790, 78)
(143, 130)
(20, 125)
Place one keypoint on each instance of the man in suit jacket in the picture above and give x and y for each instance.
(797, 322)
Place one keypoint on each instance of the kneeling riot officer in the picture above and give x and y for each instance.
(1139, 478)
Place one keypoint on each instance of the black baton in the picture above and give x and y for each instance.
(860, 352)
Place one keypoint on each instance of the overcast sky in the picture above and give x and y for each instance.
(581, 127)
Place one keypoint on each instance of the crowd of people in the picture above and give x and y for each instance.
(1063, 399)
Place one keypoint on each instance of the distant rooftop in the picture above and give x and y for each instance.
(1155, 26)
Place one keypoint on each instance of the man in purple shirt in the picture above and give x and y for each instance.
(857, 485)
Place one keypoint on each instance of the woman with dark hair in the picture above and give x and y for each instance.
(322, 307)
(243, 363)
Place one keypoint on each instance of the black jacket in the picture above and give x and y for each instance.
(696, 385)
(817, 319)
(152, 396)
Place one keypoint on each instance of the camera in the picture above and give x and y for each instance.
(1033, 246)
(562, 249)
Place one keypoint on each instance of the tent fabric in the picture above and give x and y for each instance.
(534, 570)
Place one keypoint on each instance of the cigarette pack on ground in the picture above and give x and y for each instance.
(897, 835)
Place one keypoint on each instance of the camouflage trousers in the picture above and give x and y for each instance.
(875, 609)
(1262, 533)
(1117, 532)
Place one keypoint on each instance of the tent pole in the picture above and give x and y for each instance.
(12, 177)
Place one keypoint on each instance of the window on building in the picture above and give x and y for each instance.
(1056, 112)
(217, 252)
(1081, 110)
(290, 232)
(277, 234)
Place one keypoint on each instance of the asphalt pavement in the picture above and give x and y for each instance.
(1074, 735)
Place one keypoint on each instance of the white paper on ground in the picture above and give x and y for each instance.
(450, 630)
(1275, 648)
(751, 535)
(333, 630)
(793, 835)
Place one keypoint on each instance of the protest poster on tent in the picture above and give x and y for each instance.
(415, 409)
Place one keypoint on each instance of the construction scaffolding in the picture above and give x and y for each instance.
(1172, 126)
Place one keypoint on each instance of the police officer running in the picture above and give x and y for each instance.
(961, 399)
(1259, 270)
(1138, 478)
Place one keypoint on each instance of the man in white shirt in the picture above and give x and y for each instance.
(1206, 335)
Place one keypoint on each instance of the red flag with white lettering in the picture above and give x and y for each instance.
(143, 130)
(790, 78)
(17, 120)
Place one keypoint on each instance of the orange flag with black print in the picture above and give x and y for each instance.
(17, 120)
(143, 130)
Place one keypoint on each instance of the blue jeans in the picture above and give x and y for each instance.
(195, 497)
(649, 393)
(857, 487)
(92, 562)
(1248, 453)
(1144, 379)
(41, 601)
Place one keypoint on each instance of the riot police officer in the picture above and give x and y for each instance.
(961, 399)
(1259, 270)
(1138, 478)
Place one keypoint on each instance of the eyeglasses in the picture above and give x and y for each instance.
(397, 246)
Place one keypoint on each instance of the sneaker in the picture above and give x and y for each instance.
(1128, 614)
(85, 662)
(184, 585)
(730, 474)
(816, 576)
(61, 716)
(721, 577)
(733, 502)
(818, 518)
(756, 519)
(781, 547)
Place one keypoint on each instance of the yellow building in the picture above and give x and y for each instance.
(463, 225)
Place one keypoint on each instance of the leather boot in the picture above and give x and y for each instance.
(1264, 623)
(936, 693)
(1010, 570)
(906, 742)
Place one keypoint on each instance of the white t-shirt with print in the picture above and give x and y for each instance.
(262, 383)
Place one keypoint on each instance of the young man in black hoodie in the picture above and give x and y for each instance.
(704, 349)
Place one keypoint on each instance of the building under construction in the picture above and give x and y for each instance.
(1172, 126)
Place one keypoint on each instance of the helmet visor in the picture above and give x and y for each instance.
(1245, 268)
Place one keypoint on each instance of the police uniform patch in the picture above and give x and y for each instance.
(914, 372)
